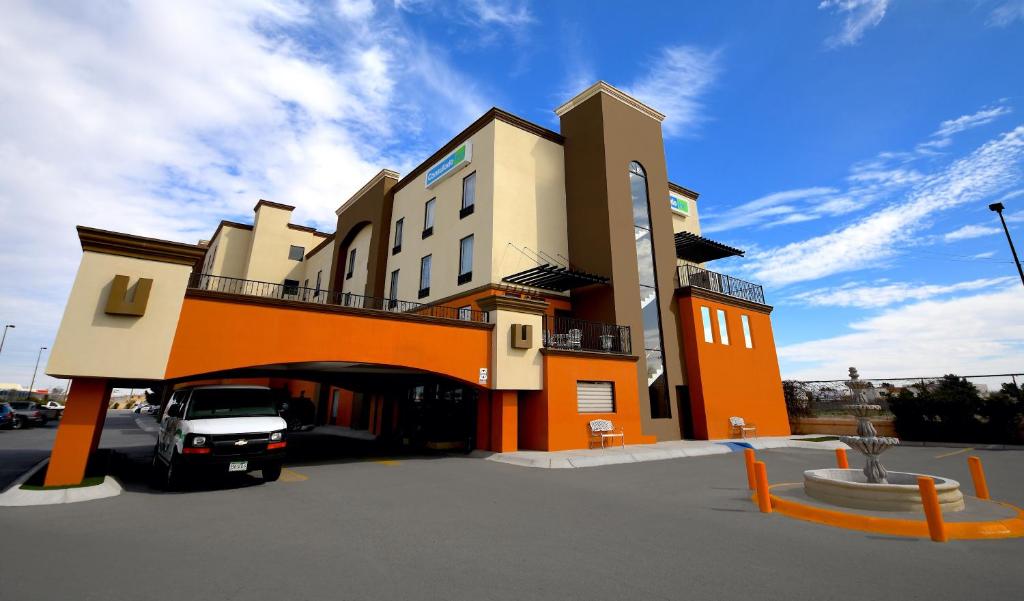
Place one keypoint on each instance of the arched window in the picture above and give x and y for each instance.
(653, 346)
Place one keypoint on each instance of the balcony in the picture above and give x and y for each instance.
(299, 294)
(698, 277)
(570, 334)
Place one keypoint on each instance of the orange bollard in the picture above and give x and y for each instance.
(930, 500)
(748, 456)
(978, 475)
(764, 503)
(841, 460)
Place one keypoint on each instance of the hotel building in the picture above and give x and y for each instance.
(517, 284)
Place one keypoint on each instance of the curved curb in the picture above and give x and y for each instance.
(1007, 528)
(15, 496)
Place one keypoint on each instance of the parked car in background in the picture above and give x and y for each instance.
(51, 414)
(140, 408)
(54, 405)
(299, 413)
(6, 416)
(151, 409)
(27, 413)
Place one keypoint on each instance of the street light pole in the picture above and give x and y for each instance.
(9, 326)
(33, 384)
(998, 208)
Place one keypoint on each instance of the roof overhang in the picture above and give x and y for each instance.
(691, 247)
(552, 277)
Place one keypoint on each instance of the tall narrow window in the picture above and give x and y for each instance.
(399, 226)
(350, 269)
(319, 275)
(723, 329)
(393, 290)
(428, 217)
(705, 316)
(465, 259)
(657, 384)
(747, 341)
(468, 195)
(424, 276)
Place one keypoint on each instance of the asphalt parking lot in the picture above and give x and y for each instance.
(345, 524)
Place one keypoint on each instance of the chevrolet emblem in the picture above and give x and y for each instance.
(241, 443)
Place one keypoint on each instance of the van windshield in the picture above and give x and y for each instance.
(231, 402)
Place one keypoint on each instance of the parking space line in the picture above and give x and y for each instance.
(390, 462)
(289, 475)
(950, 454)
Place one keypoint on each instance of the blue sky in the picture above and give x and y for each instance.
(851, 146)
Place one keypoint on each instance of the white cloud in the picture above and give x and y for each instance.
(989, 170)
(772, 208)
(507, 13)
(859, 16)
(965, 122)
(970, 335)
(984, 255)
(162, 118)
(674, 85)
(971, 231)
(873, 295)
(1007, 13)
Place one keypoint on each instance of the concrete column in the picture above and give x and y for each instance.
(504, 421)
(79, 431)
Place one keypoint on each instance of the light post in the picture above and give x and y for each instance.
(9, 326)
(998, 208)
(33, 384)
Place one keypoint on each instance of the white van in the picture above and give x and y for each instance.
(220, 428)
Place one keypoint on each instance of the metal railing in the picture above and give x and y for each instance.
(698, 277)
(216, 283)
(567, 333)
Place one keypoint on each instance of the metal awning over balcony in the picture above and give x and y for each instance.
(691, 247)
(552, 277)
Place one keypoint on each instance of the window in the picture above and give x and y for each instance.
(723, 330)
(393, 291)
(291, 287)
(466, 313)
(595, 397)
(428, 218)
(399, 225)
(468, 195)
(424, 276)
(465, 259)
(705, 315)
(295, 253)
(649, 305)
(747, 342)
(319, 275)
(350, 268)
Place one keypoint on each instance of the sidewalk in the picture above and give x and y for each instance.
(673, 449)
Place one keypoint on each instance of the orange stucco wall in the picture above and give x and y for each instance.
(548, 418)
(344, 411)
(215, 335)
(732, 380)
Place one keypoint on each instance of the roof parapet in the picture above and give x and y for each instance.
(612, 92)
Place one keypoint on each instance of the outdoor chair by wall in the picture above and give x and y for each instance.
(602, 429)
(741, 427)
(576, 339)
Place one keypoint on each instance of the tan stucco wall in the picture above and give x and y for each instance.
(529, 200)
(92, 343)
(443, 245)
(268, 254)
(516, 369)
(230, 252)
(361, 243)
(687, 223)
(320, 262)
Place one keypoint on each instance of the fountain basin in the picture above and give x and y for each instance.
(850, 488)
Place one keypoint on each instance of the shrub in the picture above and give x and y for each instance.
(951, 410)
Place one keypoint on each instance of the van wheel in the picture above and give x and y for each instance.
(271, 472)
(173, 475)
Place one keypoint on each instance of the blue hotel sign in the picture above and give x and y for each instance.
(457, 159)
(679, 204)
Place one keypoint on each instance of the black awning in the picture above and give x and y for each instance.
(552, 277)
(691, 247)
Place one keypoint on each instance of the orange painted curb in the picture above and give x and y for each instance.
(1008, 528)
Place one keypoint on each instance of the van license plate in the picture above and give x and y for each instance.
(238, 466)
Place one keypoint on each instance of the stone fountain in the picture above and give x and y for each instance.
(874, 487)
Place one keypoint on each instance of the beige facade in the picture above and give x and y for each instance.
(356, 282)
(228, 252)
(317, 267)
(129, 346)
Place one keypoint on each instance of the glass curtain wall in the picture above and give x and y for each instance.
(653, 346)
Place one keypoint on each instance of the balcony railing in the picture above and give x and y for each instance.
(215, 283)
(570, 334)
(698, 277)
